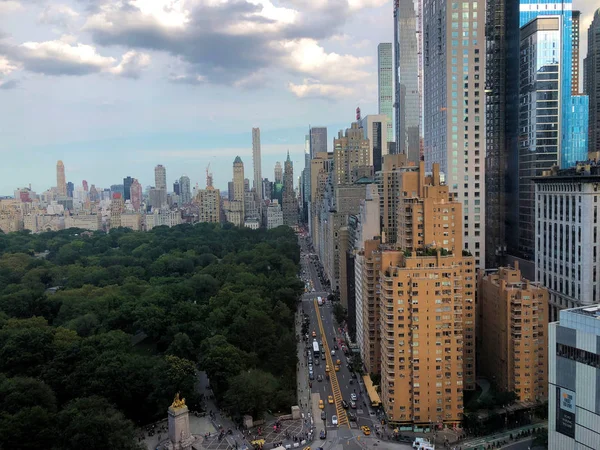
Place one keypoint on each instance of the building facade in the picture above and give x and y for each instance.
(374, 128)
(290, 203)
(160, 177)
(278, 173)
(274, 215)
(575, 33)
(454, 107)
(385, 88)
(574, 380)
(185, 190)
(351, 152)
(566, 236)
(256, 164)
(591, 83)
(513, 324)
(407, 103)
(61, 184)
(209, 205)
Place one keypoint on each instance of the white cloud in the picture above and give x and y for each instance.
(132, 64)
(9, 6)
(315, 89)
(361, 4)
(364, 43)
(6, 66)
(59, 15)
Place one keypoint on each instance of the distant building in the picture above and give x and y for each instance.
(185, 194)
(575, 20)
(127, 188)
(70, 189)
(136, 195)
(513, 324)
(290, 203)
(591, 82)
(162, 218)
(61, 184)
(92, 222)
(574, 384)
(274, 215)
(132, 221)
(385, 88)
(176, 187)
(252, 223)
(278, 173)
(117, 207)
(209, 203)
(351, 151)
(230, 191)
(256, 163)
(160, 177)
(375, 127)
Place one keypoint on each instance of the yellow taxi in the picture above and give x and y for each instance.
(321, 404)
(337, 368)
(314, 333)
(366, 430)
(338, 362)
(330, 399)
(326, 367)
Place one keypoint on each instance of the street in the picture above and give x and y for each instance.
(341, 385)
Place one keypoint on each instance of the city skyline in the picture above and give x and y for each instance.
(107, 123)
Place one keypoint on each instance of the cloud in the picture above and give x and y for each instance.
(59, 15)
(10, 84)
(9, 6)
(315, 89)
(132, 64)
(231, 42)
(59, 57)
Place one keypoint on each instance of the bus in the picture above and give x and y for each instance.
(316, 351)
(320, 301)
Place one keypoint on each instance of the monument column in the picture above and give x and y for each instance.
(179, 426)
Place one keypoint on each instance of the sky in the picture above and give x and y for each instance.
(114, 87)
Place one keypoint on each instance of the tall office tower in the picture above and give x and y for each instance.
(290, 204)
(176, 187)
(351, 152)
(501, 125)
(427, 309)
(238, 180)
(406, 71)
(94, 196)
(84, 184)
(185, 190)
(136, 195)
(278, 173)
(389, 182)
(318, 140)
(385, 87)
(454, 107)
(160, 177)
(126, 187)
(591, 83)
(566, 236)
(70, 189)
(246, 185)
(374, 128)
(61, 184)
(573, 381)
(256, 163)
(513, 330)
(575, 17)
(230, 191)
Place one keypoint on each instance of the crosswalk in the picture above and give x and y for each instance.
(335, 387)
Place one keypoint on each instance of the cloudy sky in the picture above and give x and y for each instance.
(114, 87)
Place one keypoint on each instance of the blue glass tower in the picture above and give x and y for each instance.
(572, 117)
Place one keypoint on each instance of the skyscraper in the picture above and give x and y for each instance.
(136, 194)
(290, 205)
(61, 184)
(318, 141)
(501, 125)
(374, 127)
(278, 173)
(185, 192)
(126, 187)
(70, 189)
(351, 153)
(406, 71)
(160, 177)
(576, 15)
(256, 163)
(238, 179)
(591, 76)
(176, 187)
(454, 113)
(385, 86)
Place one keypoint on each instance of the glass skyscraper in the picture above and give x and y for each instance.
(385, 86)
(407, 104)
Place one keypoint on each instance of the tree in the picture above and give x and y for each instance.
(340, 313)
(92, 423)
(221, 361)
(182, 347)
(251, 392)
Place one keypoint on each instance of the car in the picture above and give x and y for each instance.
(310, 359)
(321, 404)
(323, 415)
(319, 377)
(345, 404)
(310, 367)
(332, 352)
(314, 333)
(323, 356)
(353, 374)
(352, 404)
(338, 362)
(311, 375)
(353, 396)
(334, 420)
(336, 346)
(366, 430)
(321, 343)
(326, 367)
(330, 399)
(351, 416)
(323, 435)
(317, 362)
(337, 368)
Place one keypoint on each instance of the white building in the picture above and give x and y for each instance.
(574, 380)
(274, 215)
(162, 217)
(566, 236)
(252, 223)
(92, 222)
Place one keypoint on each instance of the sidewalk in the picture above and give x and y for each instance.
(472, 444)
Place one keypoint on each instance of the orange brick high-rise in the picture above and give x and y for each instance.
(427, 308)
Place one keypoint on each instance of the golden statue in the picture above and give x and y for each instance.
(177, 402)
